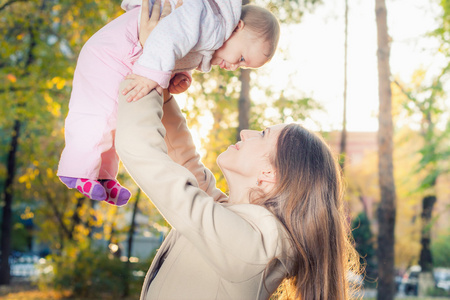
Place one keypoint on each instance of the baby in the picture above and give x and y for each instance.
(196, 35)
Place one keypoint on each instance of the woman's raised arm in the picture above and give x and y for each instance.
(181, 149)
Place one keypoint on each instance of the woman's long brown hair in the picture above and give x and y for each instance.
(308, 200)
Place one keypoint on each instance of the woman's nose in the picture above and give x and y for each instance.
(245, 134)
(242, 135)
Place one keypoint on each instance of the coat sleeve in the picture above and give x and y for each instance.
(181, 149)
(238, 243)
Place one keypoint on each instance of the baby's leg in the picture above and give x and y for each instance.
(90, 188)
(90, 125)
(117, 194)
(89, 153)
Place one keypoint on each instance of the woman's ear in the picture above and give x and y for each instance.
(268, 176)
(239, 26)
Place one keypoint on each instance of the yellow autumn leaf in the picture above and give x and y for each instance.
(49, 173)
(49, 84)
(97, 236)
(56, 80)
(47, 98)
(54, 108)
(23, 178)
(60, 84)
(11, 78)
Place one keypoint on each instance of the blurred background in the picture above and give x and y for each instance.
(376, 88)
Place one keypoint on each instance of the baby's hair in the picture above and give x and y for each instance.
(263, 23)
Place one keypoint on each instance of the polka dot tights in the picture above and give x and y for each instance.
(102, 190)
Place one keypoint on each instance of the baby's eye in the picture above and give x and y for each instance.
(241, 59)
(263, 133)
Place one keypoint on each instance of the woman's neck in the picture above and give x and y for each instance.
(239, 191)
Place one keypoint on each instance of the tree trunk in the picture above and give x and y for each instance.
(426, 260)
(343, 150)
(244, 102)
(7, 211)
(426, 279)
(11, 172)
(126, 291)
(386, 210)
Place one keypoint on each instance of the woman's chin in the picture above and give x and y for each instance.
(225, 159)
(219, 160)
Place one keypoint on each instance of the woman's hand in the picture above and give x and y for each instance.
(149, 21)
(139, 87)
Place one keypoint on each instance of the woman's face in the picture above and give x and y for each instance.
(251, 155)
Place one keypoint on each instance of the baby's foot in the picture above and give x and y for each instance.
(88, 187)
(117, 194)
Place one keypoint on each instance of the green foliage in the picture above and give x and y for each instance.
(289, 11)
(440, 248)
(22, 230)
(364, 244)
(442, 32)
(91, 273)
(428, 100)
(437, 292)
(429, 103)
(20, 238)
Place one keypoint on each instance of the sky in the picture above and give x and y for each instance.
(311, 57)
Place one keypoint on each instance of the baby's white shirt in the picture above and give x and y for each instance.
(187, 38)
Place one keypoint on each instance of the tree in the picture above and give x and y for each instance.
(11, 166)
(130, 243)
(428, 102)
(39, 39)
(386, 210)
(343, 145)
(364, 243)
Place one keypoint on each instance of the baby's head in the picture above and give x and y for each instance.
(253, 42)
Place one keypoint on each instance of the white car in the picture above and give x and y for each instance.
(25, 265)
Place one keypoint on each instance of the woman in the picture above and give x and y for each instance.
(282, 221)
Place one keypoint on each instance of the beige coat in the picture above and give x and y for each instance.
(215, 250)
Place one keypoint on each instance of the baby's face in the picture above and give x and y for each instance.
(241, 50)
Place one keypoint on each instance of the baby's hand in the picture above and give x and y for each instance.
(139, 87)
(179, 83)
